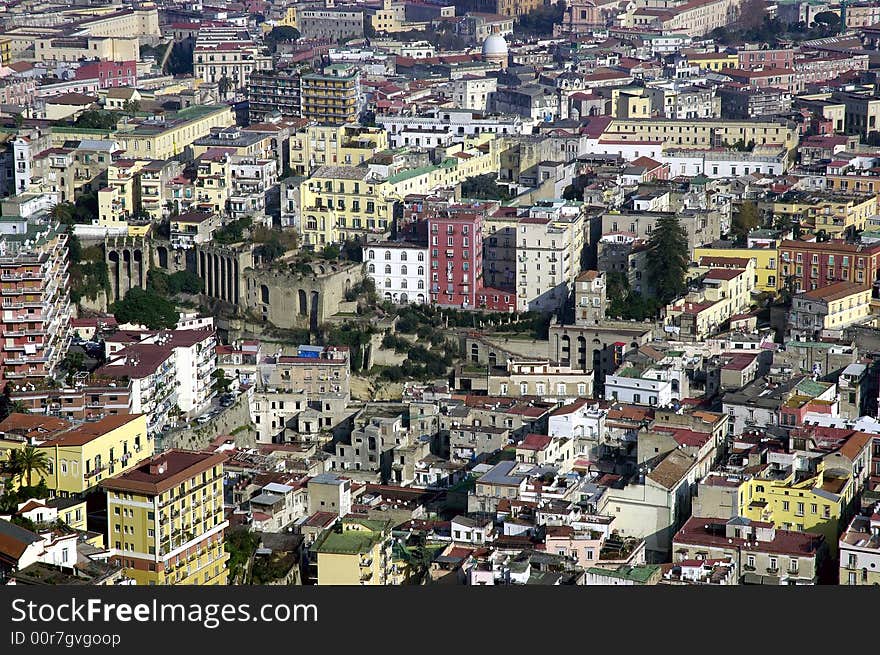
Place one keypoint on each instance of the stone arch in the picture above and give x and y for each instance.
(264, 294)
(313, 316)
(493, 359)
(475, 352)
(303, 302)
(565, 354)
(162, 256)
(582, 352)
(404, 298)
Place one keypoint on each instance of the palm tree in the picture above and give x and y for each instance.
(29, 460)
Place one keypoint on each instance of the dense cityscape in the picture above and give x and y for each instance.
(414, 292)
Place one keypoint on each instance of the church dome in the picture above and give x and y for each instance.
(495, 46)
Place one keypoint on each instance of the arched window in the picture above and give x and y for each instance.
(421, 270)
(421, 284)
(387, 283)
(403, 284)
(421, 257)
(371, 268)
(403, 270)
(403, 256)
(387, 255)
(372, 254)
(387, 269)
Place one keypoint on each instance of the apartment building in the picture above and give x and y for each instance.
(814, 265)
(399, 270)
(330, 23)
(251, 179)
(454, 122)
(166, 136)
(357, 552)
(271, 90)
(816, 499)
(332, 97)
(36, 297)
(232, 58)
(80, 455)
(826, 311)
(165, 522)
(836, 214)
(765, 258)
(589, 298)
(150, 369)
(315, 370)
(859, 551)
(703, 133)
(322, 145)
(762, 553)
(456, 258)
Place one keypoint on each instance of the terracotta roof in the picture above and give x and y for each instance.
(180, 465)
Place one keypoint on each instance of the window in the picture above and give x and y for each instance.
(750, 561)
(785, 506)
(800, 509)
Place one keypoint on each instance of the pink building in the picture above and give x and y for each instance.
(109, 73)
(456, 255)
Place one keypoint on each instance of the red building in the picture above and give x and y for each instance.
(456, 255)
(819, 264)
(109, 73)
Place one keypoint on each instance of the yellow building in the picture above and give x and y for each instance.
(766, 276)
(119, 201)
(165, 521)
(829, 308)
(213, 183)
(5, 51)
(331, 98)
(348, 202)
(347, 145)
(358, 552)
(799, 500)
(704, 133)
(168, 136)
(80, 456)
(832, 213)
(714, 61)
(630, 103)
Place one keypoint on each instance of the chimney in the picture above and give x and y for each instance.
(158, 466)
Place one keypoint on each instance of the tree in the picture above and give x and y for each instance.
(221, 382)
(29, 460)
(271, 250)
(752, 13)
(224, 84)
(667, 259)
(281, 34)
(483, 187)
(746, 220)
(131, 107)
(146, 308)
(828, 20)
(18, 120)
(94, 119)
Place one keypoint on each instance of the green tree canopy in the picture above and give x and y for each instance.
(96, 120)
(146, 308)
(483, 187)
(27, 461)
(746, 219)
(667, 259)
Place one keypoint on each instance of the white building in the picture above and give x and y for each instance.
(458, 122)
(723, 163)
(252, 178)
(582, 418)
(471, 92)
(655, 386)
(399, 270)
